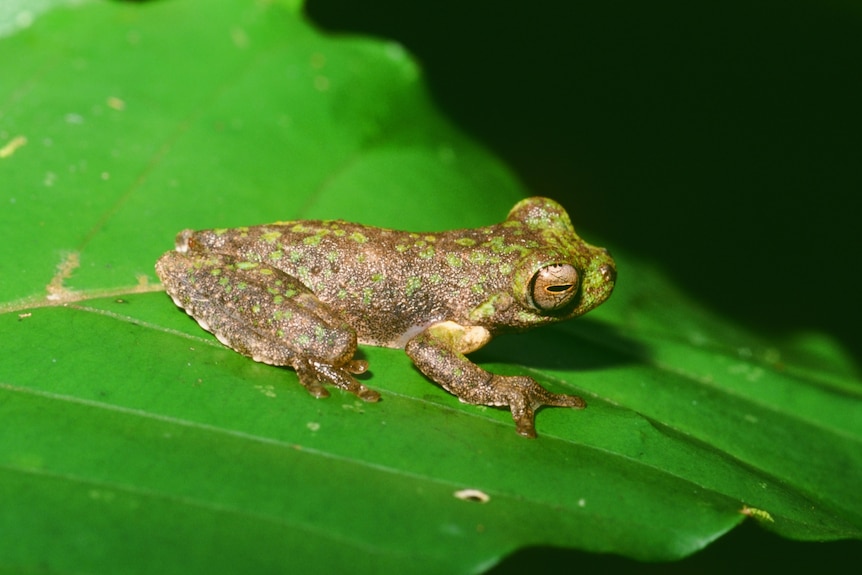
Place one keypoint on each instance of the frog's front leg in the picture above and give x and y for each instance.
(267, 315)
(439, 353)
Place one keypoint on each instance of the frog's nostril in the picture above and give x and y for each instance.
(609, 272)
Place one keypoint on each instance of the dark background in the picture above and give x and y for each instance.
(720, 140)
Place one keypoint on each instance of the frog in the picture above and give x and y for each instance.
(305, 293)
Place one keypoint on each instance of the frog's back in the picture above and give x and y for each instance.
(388, 284)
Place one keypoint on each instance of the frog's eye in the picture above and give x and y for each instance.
(554, 286)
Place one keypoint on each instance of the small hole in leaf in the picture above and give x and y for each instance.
(473, 495)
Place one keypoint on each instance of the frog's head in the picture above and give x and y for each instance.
(562, 276)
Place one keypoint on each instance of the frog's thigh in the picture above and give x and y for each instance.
(268, 315)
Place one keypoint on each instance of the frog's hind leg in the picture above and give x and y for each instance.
(267, 315)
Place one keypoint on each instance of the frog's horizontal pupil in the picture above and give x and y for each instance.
(554, 287)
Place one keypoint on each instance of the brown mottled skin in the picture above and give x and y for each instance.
(303, 293)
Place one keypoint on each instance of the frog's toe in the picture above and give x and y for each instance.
(563, 400)
(522, 408)
(536, 396)
(525, 423)
(356, 366)
(317, 391)
(366, 394)
(309, 380)
(526, 429)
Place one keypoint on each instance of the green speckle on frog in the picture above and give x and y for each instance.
(304, 293)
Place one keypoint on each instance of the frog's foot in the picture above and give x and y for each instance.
(523, 396)
(313, 374)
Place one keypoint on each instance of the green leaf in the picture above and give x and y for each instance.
(131, 441)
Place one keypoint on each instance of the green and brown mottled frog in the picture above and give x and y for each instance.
(303, 293)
